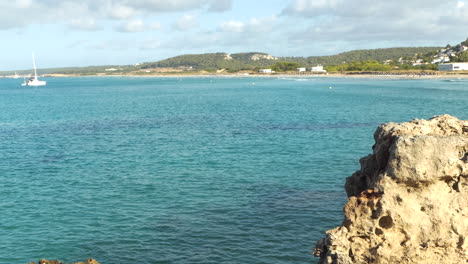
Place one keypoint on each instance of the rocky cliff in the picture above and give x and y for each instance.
(409, 201)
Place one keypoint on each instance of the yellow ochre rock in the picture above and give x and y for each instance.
(45, 261)
(409, 201)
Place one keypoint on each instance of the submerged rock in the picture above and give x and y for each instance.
(45, 261)
(409, 201)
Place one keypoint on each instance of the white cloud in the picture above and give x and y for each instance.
(19, 13)
(299, 23)
(186, 22)
(122, 12)
(311, 7)
(154, 26)
(359, 8)
(256, 34)
(370, 20)
(88, 24)
(179, 5)
(263, 24)
(23, 3)
(131, 26)
(254, 25)
(232, 26)
(137, 25)
(220, 6)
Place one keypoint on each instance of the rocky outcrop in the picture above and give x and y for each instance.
(45, 261)
(257, 57)
(409, 201)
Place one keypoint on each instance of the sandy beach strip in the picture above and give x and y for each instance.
(397, 76)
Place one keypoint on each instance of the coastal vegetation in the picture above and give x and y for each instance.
(373, 65)
(252, 60)
(369, 65)
(461, 57)
(368, 60)
(363, 55)
(213, 61)
(284, 66)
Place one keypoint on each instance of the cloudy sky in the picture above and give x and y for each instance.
(96, 32)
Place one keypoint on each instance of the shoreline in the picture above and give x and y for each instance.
(308, 76)
(286, 75)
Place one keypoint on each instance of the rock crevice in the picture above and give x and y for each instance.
(409, 201)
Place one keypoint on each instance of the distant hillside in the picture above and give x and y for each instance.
(458, 53)
(380, 55)
(212, 61)
(241, 61)
(251, 60)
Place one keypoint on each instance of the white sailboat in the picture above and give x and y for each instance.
(16, 76)
(33, 81)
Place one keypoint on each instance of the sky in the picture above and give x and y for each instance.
(65, 33)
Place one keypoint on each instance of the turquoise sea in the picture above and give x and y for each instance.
(191, 170)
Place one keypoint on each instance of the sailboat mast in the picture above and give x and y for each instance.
(34, 63)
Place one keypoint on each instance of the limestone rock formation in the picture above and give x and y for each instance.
(45, 261)
(409, 201)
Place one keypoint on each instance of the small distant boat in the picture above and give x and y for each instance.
(33, 81)
(16, 76)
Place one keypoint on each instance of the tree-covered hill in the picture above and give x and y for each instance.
(243, 61)
(370, 54)
(212, 61)
(253, 60)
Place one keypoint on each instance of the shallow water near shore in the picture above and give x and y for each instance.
(190, 170)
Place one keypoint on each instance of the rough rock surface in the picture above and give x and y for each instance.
(45, 261)
(409, 201)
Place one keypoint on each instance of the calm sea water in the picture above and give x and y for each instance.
(193, 170)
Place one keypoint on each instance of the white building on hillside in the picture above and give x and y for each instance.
(318, 68)
(459, 66)
(265, 71)
(442, 59)
(301, 69)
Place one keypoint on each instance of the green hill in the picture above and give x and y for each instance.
(379, 55)
(252, 60)
(213, 61)
(243, 61)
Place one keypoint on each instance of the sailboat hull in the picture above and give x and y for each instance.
(38, 83)
(34, 82)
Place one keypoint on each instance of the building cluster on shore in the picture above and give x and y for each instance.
(459, 66)
(454, 55)
(446, 54)
(450, 58)
(316, 69)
